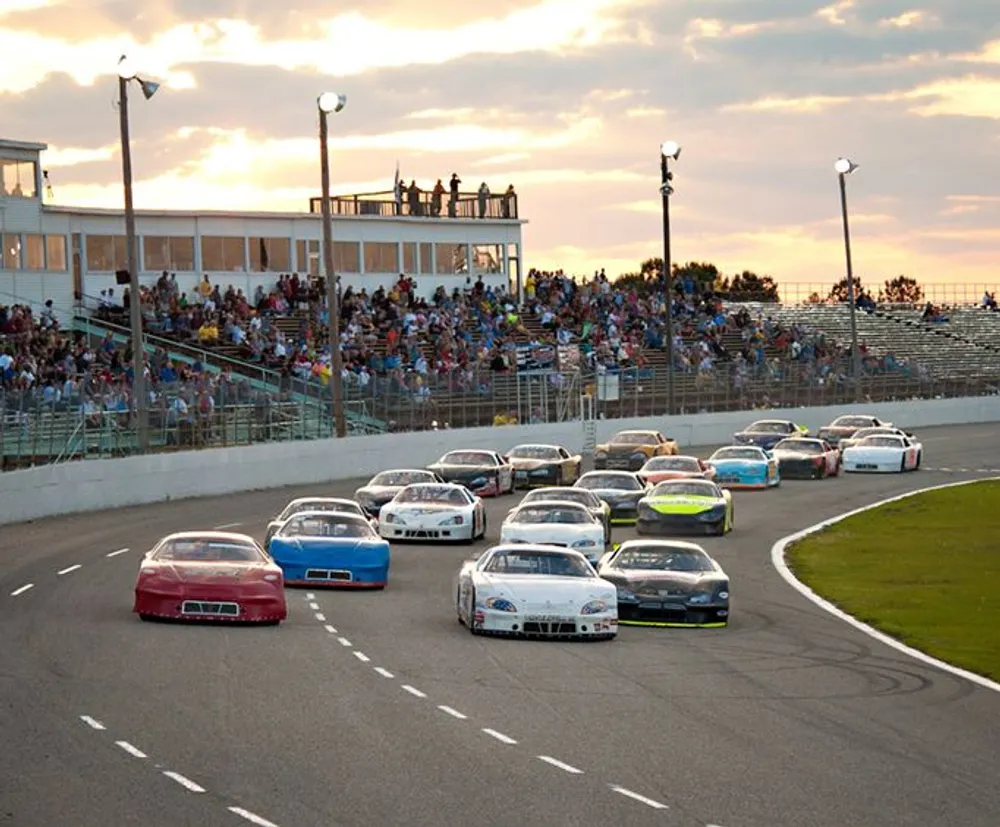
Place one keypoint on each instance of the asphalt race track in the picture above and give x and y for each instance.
(380, 709)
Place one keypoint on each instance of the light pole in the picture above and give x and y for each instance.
(126, 74)
(845, 167)
(330, 103)
(669, 150)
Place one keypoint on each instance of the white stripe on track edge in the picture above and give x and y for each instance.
(778, 552)
(555, 762)
(22, 590)
(253, 818)
(184, 781)
(499, 736)
(134, 751)
(649, 802)
(93, 723)
(68, 569)
(225, 526)
(116, 553)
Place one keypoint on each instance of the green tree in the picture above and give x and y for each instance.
(703, 273)
(750, 287)
(901, 290)
(839, 291)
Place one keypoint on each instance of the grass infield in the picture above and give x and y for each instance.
(925, 570)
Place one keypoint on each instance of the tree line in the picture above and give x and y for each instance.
(753, 287)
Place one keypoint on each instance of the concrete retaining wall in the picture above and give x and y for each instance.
(95, 485)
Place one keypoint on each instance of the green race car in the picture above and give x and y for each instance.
(688, 506)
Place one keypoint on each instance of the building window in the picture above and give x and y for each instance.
(11, 252)
(270, 255)
(307, 256)
(168, 253)
(34, 252)
(17, 179)
(106, 253)
(487, 259)
(409, 257)
(381, 257)
(451, 259)
(55, 253)
(346, 257)
(223, 253)
(426, 259)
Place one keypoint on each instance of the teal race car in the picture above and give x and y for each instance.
(745, 466)
(686, 506)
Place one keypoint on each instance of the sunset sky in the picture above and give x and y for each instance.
(566, 99)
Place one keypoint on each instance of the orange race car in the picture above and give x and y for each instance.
(675, 467)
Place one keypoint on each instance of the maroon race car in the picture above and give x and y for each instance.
(210, 575)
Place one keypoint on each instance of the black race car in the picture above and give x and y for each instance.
(381, 488)
(485, 473)
(667, 583)
(766, 433)
(844, 427)
(544, 465)
(621, 490)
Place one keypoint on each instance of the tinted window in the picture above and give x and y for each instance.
(851, 422)
(391, 479)
(534, 452)
(204, 550)
(319, 505)
(768, 428)
(881, 442)
(569, 495)
(538, 562)
(326, 525)
(801, 446)
(468, 458)
(616, 482)
(663, 559)
(738, 453)
(433, 494)
(688, 465)
(685, 489)
(866, 432)
(536, 514)
(633, 438)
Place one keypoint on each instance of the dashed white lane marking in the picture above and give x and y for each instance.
(135, 752)
(22, 590)
(503, 739)
(310, 596)
(649, 802)
(184, 781)
(555, 762)
(116, 553)
(447, 710)
(321, 617)
(416, 693)
(68, 569)
(343, 641)
(253, 818)
(226, 525)
(385, 673)
(314, 606)
(330, 629)
(361, 656)
(946, 470)
(93, 723)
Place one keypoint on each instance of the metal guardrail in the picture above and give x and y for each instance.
(383, 204)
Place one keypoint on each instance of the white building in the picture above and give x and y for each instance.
(71, 254)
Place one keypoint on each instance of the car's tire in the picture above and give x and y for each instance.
(146, 618)
(458, 603)
(920, 456)
(720, 529)
(902, 464)
(560, 480)
(471, 613)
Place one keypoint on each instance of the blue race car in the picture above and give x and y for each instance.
(331, 548)
(745, 466)
(766, 433)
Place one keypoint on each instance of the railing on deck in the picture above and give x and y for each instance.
(383, 204)
(939, 294)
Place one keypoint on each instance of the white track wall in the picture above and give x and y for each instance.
(94, 485)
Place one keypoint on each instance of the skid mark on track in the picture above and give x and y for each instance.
(183, 781)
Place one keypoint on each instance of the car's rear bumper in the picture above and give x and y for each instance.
(673, 523)
(616, 463)
(799, 470)
(343, 578)
(251, 609)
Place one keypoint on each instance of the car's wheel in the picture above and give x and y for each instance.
(560, 481)
(902, 464)
(820, 472)
(919, 457)
(146, 618)
(720, 528)
(458, 605)
(471, 613)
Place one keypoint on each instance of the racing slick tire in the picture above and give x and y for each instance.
(719, 530)
(920, 456)
(146, 618)
(902, 464)
(470, 613)
(482, 531)
(560, 480)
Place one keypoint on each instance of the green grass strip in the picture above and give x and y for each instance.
(925, 570)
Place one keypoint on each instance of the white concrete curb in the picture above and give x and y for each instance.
(779, 549)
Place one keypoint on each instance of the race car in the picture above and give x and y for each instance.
(806, 458)
(311, 504)
(384, 486)
(864, 433)
(629, 450)
(433, 511)
(883, 454)
(544, 465)
(485, 473)
(555, 524)
(660, 469)
(210, 576)
(621, 490)
(331, 548)
(588, 499)
(691, 506)
(847, 426)
(745, 466)
(766, 433)
(667, 583)
(535, 591)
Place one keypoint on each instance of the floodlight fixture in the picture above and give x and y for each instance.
(331, 102)
(670, 149)
(845, 166)
(126, 69)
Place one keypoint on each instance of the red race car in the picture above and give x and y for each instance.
(661, 469)
(210, 575)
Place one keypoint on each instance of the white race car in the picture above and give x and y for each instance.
(535, 591)
(565, 524)
(313, 504)
(864, 433)
(883, 454)
(433, 511)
